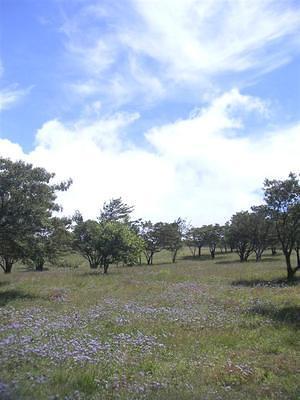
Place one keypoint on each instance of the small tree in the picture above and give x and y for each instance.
(283, 206)
(104, 243)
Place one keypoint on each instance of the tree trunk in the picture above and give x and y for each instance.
(174, 256)
(290, 271)
(105, 265)
(39, 266)
(273, 249)
(258, 255)
(298, 257)
(8, 266)
(212, 253)
(199, 251)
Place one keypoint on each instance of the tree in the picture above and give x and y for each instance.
(107, 242)
(229, 237)
(48, 244)
(87, 241)
(222, 243)
(297, 250)
(283, 205)
(150, 233)
(116, 210)
(212, 237)
(260, 228)
(273, 242)
(195, 239)
(241, 229)
(171, 236)
(27, 201)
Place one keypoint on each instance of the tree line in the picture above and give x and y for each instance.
(32, 231)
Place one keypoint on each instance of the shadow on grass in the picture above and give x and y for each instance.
(25, 268)
(269, 259)
(288, 315)
(226, 262)
(279, 282)
(11, 295)
(203, 257)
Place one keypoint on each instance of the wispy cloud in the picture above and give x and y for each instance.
(141, 49)
(11, 95)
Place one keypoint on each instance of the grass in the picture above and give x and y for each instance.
(199, 329)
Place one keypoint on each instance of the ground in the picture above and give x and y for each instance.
(199, 329)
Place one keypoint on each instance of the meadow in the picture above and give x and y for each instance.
(197, 329)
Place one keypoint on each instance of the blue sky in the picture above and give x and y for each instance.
(171, 93)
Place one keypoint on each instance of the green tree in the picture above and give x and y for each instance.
(212, 237)
(171, 236)
(283, 205)
(241, 232)
(27, 201)
(150, 233)
(107, 242)
(47, 245)
(195, 239)
(260, 228)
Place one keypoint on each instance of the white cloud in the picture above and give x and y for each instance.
(11, 95)
(199, 168)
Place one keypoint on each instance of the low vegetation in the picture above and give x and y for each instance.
(197, 329)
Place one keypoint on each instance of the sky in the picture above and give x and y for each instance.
(180, 107)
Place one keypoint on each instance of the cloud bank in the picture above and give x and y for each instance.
(201, 168)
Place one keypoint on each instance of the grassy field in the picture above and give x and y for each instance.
(199, 329)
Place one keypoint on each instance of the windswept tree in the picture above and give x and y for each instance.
(116, 210)
(27, 202)
(283, 205)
